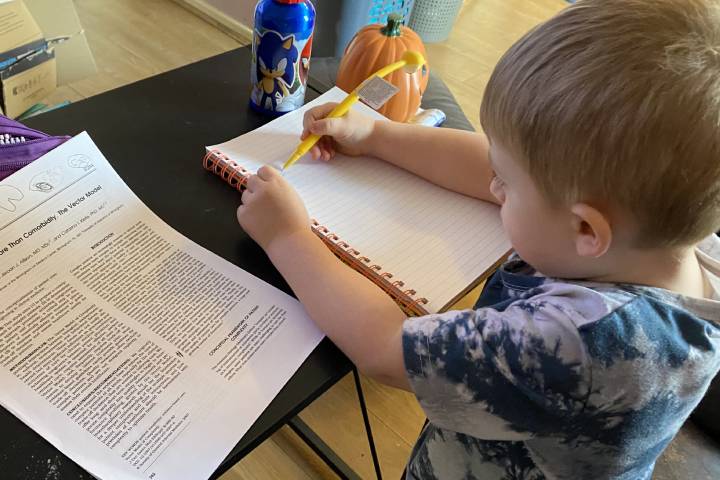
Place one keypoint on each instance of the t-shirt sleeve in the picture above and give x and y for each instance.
(498, 375)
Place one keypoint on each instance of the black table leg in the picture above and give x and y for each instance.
(326, 454)
(366, 419)
(322, 450)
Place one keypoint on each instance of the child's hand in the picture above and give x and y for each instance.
(271, 209)
(348, 134)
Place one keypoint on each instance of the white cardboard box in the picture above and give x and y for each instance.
(24, 28)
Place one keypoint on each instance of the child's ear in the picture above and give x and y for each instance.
(593, 233)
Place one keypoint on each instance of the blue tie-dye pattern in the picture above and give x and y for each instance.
(671, 329)
(531, 389)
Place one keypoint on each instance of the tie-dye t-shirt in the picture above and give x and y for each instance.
(558, 379)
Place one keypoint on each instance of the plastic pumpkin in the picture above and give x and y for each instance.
(376, 46)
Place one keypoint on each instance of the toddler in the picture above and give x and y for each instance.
(591, 346)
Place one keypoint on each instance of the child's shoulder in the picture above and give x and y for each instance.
(554, 324)
(517, 288)
(565, 349)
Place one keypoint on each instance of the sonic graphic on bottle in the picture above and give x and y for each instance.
(281, 50)
(275, 68)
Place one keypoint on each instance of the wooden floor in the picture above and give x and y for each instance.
(134, 39)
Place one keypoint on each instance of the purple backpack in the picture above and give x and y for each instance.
(20, 145)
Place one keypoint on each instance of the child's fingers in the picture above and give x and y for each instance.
(326, 148)
(322, 111)
(252, 183)
(246, 199)
(266, 172)
(317, 113)
(329, 126)
(323, 149)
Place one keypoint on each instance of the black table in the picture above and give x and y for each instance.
(153, 132)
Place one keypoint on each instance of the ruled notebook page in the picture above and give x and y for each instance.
(436, 241)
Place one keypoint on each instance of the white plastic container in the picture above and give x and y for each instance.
(433, 19)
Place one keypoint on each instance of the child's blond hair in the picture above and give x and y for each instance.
(617, 103)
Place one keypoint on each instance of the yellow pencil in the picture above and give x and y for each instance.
(412, 61)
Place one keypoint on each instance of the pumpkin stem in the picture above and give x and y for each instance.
(392, 29)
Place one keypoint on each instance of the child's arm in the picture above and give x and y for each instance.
(454, 159)
(512, 372)
(356, 315)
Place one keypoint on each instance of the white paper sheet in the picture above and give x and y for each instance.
(436, 241)
(133, 350)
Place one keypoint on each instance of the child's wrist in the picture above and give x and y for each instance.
(292, 241)
(373, 141)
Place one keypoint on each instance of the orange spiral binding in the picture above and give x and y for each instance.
(229, 170)
(351, 257)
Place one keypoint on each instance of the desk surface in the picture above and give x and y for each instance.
(153, 132)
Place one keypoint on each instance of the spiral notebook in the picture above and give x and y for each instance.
(422, 244)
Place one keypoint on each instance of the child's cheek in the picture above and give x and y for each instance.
(506, 217)
(512, 220)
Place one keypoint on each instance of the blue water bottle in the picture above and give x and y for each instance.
(282, 43)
